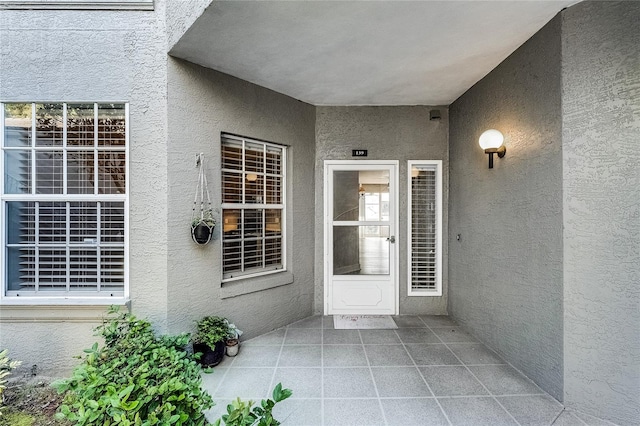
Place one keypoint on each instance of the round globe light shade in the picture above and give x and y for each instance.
(491, 138)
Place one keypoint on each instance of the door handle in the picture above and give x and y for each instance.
(391, 239)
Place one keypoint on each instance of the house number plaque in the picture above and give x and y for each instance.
(359, 152)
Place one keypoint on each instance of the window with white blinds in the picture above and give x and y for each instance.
(253, 207)
(425, 228)
(63, 192)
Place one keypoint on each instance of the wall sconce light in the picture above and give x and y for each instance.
(492, 143)
(252, 177)
(361, 191)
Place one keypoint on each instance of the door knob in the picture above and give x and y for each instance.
(391, 239)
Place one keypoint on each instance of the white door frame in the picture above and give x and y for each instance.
(394, 229)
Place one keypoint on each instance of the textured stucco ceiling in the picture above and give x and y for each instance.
(361, 52)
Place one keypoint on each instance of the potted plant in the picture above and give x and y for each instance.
(202, 227)
(202, 221)
(233, 339)
(209, 340)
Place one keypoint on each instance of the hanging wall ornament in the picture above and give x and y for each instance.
(202, 221)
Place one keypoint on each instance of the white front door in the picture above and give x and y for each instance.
(360, 237)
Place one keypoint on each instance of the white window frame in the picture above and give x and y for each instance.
(249, 206)
(437, 166)
(78, 4)
(68, 298)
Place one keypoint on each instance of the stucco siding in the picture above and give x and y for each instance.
(95, 56)
(202, 104)
(505, 271)
(180, 17)
(601, 176)
(389, 133)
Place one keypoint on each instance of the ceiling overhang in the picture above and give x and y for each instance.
(359, 52)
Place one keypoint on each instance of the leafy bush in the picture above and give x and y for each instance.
(6, 365)
(137, 378)
(242, 413)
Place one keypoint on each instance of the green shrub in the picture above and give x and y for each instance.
(6, 365)
(137, 378)
(242, 413)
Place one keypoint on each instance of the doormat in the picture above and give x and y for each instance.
(345, 322)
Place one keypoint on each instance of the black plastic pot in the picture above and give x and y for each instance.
(210, 357)
(201, 233)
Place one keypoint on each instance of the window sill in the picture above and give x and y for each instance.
(63, 301)
(255, 284)
(49, 311)
(78, 4)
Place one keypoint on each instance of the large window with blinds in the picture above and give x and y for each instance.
(253, 207)
(63, 192)
(425, 228)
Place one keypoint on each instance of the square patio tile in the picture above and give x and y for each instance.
(399, 382)
(327, 322)
(247, 383)
(417, 335)
(475, 353)
(568, 419)
(210, 381)
(535, 410)
(274, 338)
(305, 382)
(379, 337)
(256, 356)
(301, 356)
(303, 336)
(310, 322)
(408, 321)
(590, 420)
(343, 356)
(352, 412)
(453, 335)
(475, 411)
(438, 321)
(432, 354)
(504, 380)
(379, 355)
(348, 383)
(341, 337)
(452, 381)
(413, 412)
(299, 412)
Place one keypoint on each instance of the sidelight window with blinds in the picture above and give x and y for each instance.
(425, 228)
(63, 188)
(253, 207)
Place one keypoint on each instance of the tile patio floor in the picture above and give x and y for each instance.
(426, 372)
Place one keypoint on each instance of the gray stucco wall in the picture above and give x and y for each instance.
(389, 133)
(601, 173)
(180, 16)
(202, 104)
(94, 56)
(505, 272)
